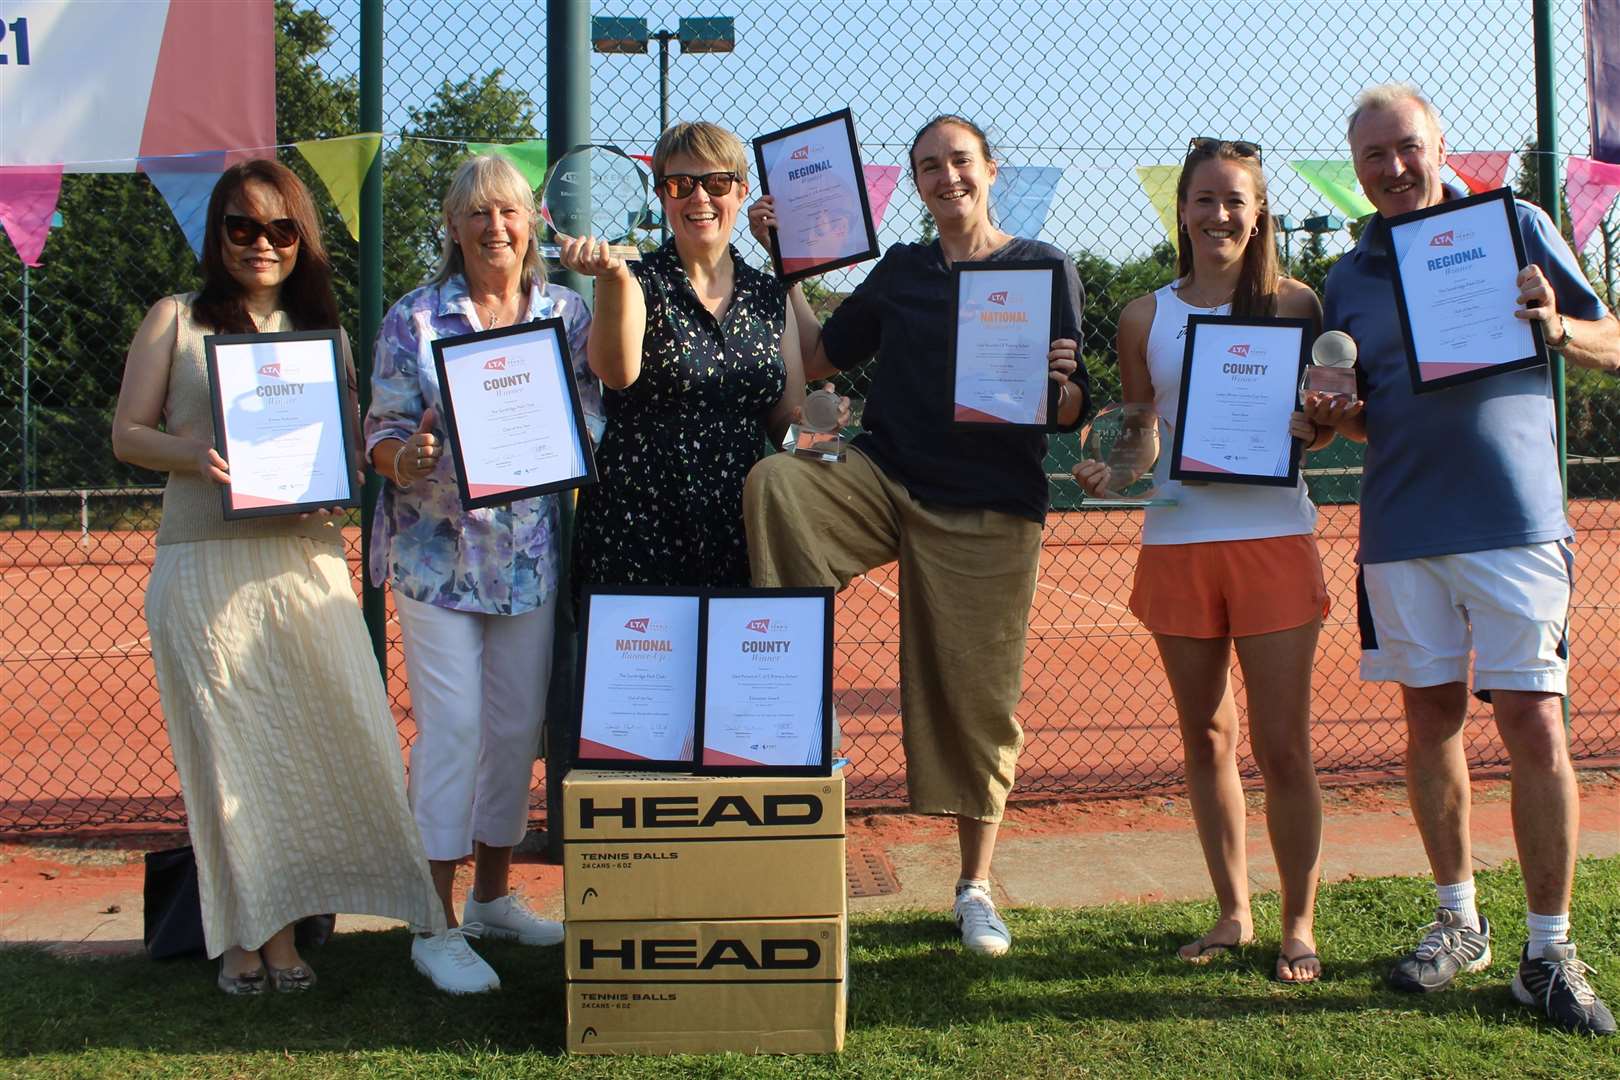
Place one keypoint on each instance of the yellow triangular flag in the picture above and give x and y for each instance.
(341, 164)
(1159, 182)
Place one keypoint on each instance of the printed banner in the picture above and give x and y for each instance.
(1591, 188)
(1481, 170)
(96, 86)
(341, 164)
(529, 157)
(1159, 184)
(186, 181)
(1603, 77)
(1022, 197)
(27, 201)
(880, 184)
(1336, 181)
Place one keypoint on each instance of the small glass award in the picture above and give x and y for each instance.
(1125, 437)
(1332, 369)
(816, 436)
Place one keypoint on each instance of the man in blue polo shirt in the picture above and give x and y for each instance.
(1465, 548)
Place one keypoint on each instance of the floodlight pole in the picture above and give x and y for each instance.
(664, 38)
(372, 604)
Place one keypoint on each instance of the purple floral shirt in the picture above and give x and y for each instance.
(500, 560)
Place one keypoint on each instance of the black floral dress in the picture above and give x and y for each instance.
(667, 509)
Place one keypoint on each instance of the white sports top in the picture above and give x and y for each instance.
(1206, 512)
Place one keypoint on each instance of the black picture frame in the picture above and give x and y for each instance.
(959, 275)
(212, 343)
(597, 761)
(1304, 327)
(1538, 356)
(822, 768)
(847, 119)
(576, 410)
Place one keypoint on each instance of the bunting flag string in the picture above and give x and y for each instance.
(1336, 182)
(1159, 184)
(28, 197)
(186, 181)
(880, 181)
(529, 157)
(341, 163)
(1022, 197)
(1481, 170)
(1591, 187)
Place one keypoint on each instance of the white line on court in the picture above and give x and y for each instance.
(884, 589)
(1075, 594)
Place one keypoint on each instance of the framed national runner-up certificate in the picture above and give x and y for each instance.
(824, 217)
(513, 414)
(638, 685)
(281, 421)
(766, 684)
(1239, 389)
(1006, 321)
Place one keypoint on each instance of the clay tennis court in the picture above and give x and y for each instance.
(82, 738)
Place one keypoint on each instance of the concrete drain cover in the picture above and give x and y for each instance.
(869, 872)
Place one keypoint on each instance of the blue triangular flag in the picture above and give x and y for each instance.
(186, 181)
(1022, 197)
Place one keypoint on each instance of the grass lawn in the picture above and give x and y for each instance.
(1094, 992)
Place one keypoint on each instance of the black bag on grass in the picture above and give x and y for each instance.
(173, 909)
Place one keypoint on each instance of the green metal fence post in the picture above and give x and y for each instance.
(371, 307)
(568, 123)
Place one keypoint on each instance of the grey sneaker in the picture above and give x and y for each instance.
(983, 931)
(1448, 947)
(1555, 982)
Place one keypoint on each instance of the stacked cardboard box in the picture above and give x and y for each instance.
(704, 913)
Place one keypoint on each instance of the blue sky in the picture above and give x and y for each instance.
(1094, 87)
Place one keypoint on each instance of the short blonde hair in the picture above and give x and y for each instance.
(1388, 95)
(485, 180)
(701, 140)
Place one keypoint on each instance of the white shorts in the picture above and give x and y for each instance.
(1421, 617)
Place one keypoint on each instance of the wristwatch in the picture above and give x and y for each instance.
(1563, 342)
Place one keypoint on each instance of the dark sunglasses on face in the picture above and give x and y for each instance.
(245, 231)
(1204, 145)
(681, 185)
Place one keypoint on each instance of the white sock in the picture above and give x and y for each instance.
(1459, 898)
(1545, 930)
(968, 883)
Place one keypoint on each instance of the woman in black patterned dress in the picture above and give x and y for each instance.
(699, 366)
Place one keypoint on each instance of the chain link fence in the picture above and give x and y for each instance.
(1095, 89)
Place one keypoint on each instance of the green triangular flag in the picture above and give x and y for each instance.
(341, 164)
(529, 157)
(1159, 182)
(1336, 180)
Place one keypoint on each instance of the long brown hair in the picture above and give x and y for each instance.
(306, 295)
(1259, 275)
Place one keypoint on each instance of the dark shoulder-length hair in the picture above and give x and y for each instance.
(306, 295)
(1260, 276)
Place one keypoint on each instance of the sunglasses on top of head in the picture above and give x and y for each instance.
(245, 231)
(1202, 144)
(681, 185)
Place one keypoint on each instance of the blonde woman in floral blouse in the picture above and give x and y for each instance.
(475, 590)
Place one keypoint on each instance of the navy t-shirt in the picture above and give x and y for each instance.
(1466, 468)
(904, 314)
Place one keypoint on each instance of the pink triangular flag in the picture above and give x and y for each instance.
(1591, 187)
(880, 185)
(28, 195)
(1481, 170)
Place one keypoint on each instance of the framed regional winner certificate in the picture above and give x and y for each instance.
(281, 421)
(1456, 288)
(516, 425)
(1239, 389)
(1006, 321)
(767, 683)
(638, 686)
(824, 216)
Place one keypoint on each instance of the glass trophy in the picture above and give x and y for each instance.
(816, 436)
(1332, 369)
(1126, 439)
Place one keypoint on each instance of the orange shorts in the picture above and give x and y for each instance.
(1229, 588)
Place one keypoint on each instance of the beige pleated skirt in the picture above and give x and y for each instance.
(288, 757)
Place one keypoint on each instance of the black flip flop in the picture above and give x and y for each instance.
(1291, 961)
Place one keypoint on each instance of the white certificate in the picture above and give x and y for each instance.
(638, 689)
(824, 219)
(1239, 385)
(767, 683)
(1456, 271)
(516, 425)
(1006, 320)
(281, 422)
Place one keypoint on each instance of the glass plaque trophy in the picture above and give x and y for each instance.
(816, 435)
(1125, 437)
(1332, 369)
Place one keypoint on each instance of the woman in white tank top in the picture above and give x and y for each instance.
(1231, 565)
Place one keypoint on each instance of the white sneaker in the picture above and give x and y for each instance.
(449, 961)
(508, 919)
(982, 929)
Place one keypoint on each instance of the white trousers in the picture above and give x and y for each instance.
(478, 690)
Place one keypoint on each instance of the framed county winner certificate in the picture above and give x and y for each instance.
(824, 218)
(638, 685)
(1456, 288)
(1239, 389)
(1006, 321)
(281, 420)
(766, 683)
(513, 414)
